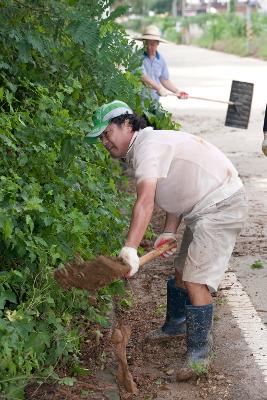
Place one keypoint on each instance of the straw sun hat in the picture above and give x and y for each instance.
(152, 32)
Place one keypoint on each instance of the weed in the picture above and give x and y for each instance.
(68, 381)
(220, 301)
(149, 233)
(257, 265)
(160, 310)
(199, 368)
(78, 370)
(126, 301)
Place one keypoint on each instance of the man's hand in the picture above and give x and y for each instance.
(129, 255)
(164, 238)
(162, 92)
(182, 95)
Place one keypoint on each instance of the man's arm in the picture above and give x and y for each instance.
(153, 85)
(167, 83)
(142, 212)
(149, 82)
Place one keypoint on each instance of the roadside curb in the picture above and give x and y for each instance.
(108, 376)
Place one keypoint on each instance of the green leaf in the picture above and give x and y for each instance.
(34, 203)
(7, 296)
(1, 93)
(6, 226)
(37, 341)
(112, 185)
(78, 370)
(29, 222)
(68, 381)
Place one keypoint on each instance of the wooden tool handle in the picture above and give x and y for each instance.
(231, 103)
(214, 101)
(157, 252)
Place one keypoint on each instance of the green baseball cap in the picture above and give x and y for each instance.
(103, 115)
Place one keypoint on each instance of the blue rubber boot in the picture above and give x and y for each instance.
(199, 341)
(174, 325)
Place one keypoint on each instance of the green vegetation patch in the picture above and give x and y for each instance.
(257, 265)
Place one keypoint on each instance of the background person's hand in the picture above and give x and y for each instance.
(164, 238)
(182, 95)
(129, 255)
(162, 92)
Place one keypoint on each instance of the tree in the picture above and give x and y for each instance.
(142, 7)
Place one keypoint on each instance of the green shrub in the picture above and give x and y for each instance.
(259, 24)
(228, 45)
(59, 61)
(173, 36)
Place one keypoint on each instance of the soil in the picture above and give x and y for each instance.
(91, 275)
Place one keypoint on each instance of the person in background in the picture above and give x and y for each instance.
(191, 180)
(155, 72)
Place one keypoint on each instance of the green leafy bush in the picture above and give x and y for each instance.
(222, 26)
(59, 61)
(172, 35)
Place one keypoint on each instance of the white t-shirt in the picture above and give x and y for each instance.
(187, 168)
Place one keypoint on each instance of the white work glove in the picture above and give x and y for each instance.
(264, 144)
(129, 255)
(162, 92)
(164, 238)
